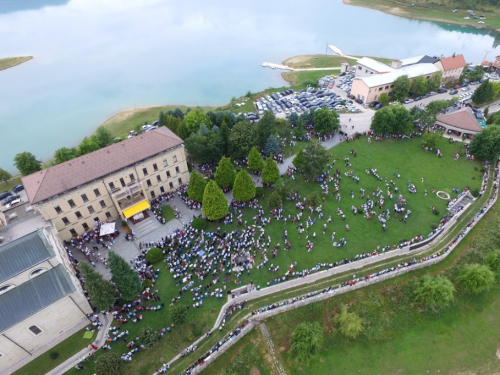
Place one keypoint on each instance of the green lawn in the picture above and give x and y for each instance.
(9, 62)
(405, 157)
(167, 212)
(9, 185)
(65, 349)
(435, 10)
(298, 79)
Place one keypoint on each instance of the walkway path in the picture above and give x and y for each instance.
(286, 67)
(75, 359)
(269, 342)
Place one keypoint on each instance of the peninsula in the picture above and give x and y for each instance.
(10, 62)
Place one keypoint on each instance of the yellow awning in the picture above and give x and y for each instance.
(135, 209)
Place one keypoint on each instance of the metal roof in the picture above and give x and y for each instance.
(411, 71)
(33, 296)
(374, 65)
(23, 253)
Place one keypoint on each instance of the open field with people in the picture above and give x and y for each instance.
(364, 235)
(399, 335)
(440, 11)
(10, 62)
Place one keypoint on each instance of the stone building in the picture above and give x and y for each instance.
(115, 182)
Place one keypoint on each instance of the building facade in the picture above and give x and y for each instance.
(452, 67)
(41, 300)
(116, 182)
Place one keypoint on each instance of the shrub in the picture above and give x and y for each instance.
(108, 364)
(199, 223)
(154, 255)
(147, 283)
(475, 193)
(179, 314)
(259, 191)
(148, 337)
(53, 354)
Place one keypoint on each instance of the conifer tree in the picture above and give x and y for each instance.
(225, 174)
(271, 172)
(244, 188)
(102, 294)
(255, 161)
(215, 205)
(126, 279)
(196, 187)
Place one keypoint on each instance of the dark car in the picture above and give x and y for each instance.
(17, 188)
(373, 104)
(442, 91)
(5, 194)
(10, 199)
(378, 106)
(359, 101)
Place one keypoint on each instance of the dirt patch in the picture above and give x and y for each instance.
(397, 11)
(254, 371)
(298, 61)
(498, 353)
(281, 349)
(123, 115)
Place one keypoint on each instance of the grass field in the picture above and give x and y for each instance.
(388, 156)
(4, 186)
(434, 10)
(400, 337)
(298, 79)
(322, 61)
(65, 349)
(9, 62)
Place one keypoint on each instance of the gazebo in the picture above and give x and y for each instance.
(460, 122)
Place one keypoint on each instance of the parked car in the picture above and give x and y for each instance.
(465, 88)
(442, 91)
(359, 101)
(408, 101)
(5, 194)
(453, 91)
(378, 106)
(10, 198)
(17, 188)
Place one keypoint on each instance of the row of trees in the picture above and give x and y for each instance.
(101, 292)
(419, 86)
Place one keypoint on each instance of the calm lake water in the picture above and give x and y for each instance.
(94, 58)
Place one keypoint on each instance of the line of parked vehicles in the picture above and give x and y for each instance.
(10, 198)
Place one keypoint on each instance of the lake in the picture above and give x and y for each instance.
(94, 58)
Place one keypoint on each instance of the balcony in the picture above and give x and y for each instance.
(128, 202)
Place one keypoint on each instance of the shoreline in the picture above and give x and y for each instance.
(11, 62)
(399, 12)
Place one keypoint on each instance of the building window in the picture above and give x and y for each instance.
(171, 185)
(78, 215)
(360, 68)
(132, 177)
(148, 182)
(168, 174)
(96, 219)
(35, 330)
(386, 87)
(165, 163)
(91, 209)
(85, 226)
(158, 178)
(103, 204)
(152, 194)
(73, 232)
(65, 220)
(392, 86)
(84, 197)
(177, 170)
(162, 189)
(122, 181)
(174, 158)
(380, 88)
(111, 186)
(145, 171)
(180, 181)
(58, 209)
(155, 167)
(97, 193)
(37, 272)
(108, 215)
(71, 203)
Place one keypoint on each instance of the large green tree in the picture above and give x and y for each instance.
(493, 261)
(241, 140)
(215, 205)
(27, 163)
(284, 128)
(434, 291)
(486, 144)
(102, 294)
(434, 82)
(275, 200)
(148, 337)
(307, 339)
(225, 173)
(315, 158)
(431, 139)
(255, 161)
(326, 121)
(419, 86)
(244, 188)
(293, 118)
(205, 148)
(384, 99)
(351, 325)
(224, 133)
(298, 130)
(475, 278)
(4, 175)
(272, 146)
(393, 119)
(196, 187)
(265, 127)
(88, 145)
(108, 364)
(484, 93)
(103, 137)
(64, 154)
(126, 279)
(401, 88)
(271, 172)
(194, 119)
(179, 313)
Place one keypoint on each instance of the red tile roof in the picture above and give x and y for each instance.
(453, 62)
(79, 171)
(463, 119)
